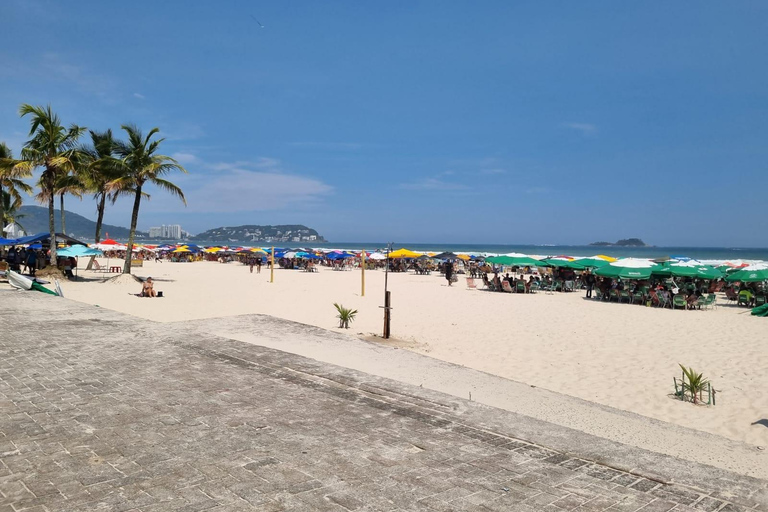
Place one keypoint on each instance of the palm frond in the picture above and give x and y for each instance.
(169, 187)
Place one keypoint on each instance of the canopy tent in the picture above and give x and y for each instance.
(516, 261)
(750, 274)
(40, 237)
(627, 268)
(404, 253)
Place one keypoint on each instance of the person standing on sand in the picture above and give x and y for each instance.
(449, 272)
(258, 265)
(250, 264)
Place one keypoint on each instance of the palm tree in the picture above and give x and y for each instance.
(10, 184)
(52, 147)
(140, 165)
(10, 205)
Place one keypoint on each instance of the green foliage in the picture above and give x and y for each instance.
(345, 316)
(694, 383)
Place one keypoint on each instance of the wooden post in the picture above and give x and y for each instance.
(387, 303)
(272, 266)
(362, 275)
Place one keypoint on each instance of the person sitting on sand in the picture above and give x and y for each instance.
(148, 288)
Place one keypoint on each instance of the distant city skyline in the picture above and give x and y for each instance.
(496, 122)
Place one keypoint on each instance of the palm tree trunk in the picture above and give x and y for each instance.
(52, 226)
(2, 213)
(132, 234)
(100, 218)
(99, 221)
(63, 225)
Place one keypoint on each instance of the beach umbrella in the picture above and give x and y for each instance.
(290, 254)
(592, 262)
(751, 274)
(447, 255)
(516, 261)
(424, 257)
(464, 257)
(78, 250)
(627, 268)
(690, 268)
(377, 256)
(404, 253)
(565, 262)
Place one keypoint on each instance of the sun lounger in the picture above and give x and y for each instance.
(678, 301)
(506, 287)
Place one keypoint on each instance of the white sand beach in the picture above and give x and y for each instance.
(619, 355)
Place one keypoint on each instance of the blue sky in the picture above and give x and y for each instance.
(474, 122)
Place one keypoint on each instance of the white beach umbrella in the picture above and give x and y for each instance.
(377, 256)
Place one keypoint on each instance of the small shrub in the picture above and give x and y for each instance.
(694, 383)
(345, 316)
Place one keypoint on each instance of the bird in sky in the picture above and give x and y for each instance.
(257, 21)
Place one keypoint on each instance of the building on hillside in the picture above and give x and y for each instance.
(13, 230)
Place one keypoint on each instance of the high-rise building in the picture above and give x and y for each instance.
(169, 232)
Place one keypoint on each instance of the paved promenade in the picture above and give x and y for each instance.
(102, 411)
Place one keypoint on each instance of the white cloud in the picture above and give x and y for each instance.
(140, 96)
(584, 128)
(493, 171)
(432, 184)
(185, 158)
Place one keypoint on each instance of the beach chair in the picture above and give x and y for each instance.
(568, 286)
(759, 300)
(731, 295)
(535, 286)
(520, 287)
(506, 287)
(638, 297)
(471, 283)
(678, 301)
(745, 297)
(624, 295)
(599, 294)
(705, 302)
(664, 301)
(613, 294)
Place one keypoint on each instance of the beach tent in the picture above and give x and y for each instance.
(750, 274)
(627, 268)
(404, 253)
(516, 261)
(38, 238)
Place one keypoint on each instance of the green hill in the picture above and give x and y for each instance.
(35, 221)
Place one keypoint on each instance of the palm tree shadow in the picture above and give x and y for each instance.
(763, 422)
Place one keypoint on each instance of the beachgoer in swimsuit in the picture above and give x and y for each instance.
(148, 288)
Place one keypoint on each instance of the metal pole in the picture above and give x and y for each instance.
(386, 296)
(362, 275)
(272, 266)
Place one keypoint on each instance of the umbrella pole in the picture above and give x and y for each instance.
(272, 266)
(362, 275)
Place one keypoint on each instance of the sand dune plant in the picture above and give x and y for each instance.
(694, 383)
(345, 316)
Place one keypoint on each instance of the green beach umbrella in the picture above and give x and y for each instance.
(565, 263)
(687, 269)
(516, 261)
(750, 274)
(627, 268)
(591, 262)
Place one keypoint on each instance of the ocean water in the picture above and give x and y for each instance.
(699, 253)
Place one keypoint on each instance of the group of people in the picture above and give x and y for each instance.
(24, 260)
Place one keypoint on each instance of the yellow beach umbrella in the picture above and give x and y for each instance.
(464, 257)
(181, 249)
(212, 250)
(604, 257)
(404, 253)
(256, 249)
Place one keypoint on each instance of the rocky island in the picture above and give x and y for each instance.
(256, 233)
(627, 242)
